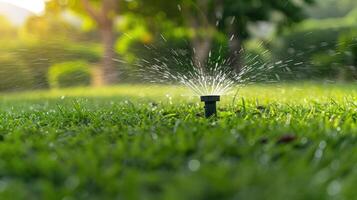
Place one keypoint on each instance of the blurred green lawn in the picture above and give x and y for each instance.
(289, 92)
(286, 141)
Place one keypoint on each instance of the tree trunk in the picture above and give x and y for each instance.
(201, 43)
(235, 54)
(108, 72)
(235, 45)
(201, 46)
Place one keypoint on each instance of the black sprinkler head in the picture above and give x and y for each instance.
(210, 104)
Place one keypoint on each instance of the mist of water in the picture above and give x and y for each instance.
(214, 77)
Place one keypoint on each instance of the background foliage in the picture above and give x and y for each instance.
(318, 43)
(70, 74)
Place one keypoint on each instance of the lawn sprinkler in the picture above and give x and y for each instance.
(210, 104)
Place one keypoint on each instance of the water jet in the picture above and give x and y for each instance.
(210, 104)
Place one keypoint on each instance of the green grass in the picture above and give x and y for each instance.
(150, 142)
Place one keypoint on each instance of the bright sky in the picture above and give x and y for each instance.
(35, 6)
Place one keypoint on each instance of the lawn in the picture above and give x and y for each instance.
(287, 141)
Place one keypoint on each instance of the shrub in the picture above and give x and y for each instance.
(348, 54)
(40, 56)
(342, 64)
(348, 47)
(69, 74)
(14, 75)
(313, 43)
(327, 66)
(308, 46)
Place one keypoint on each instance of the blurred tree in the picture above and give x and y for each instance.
(6, 29)
(203, 18)
(232, 17)
(48, 27)
(331, 8)
(102, 14)
(236, 16)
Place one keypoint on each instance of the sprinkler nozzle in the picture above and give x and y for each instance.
(210, 104)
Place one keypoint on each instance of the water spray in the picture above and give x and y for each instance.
(212, 80)
(210, 104)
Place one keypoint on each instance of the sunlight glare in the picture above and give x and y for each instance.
(36, 6)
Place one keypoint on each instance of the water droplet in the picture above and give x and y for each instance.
(334, 188)
(194, 165)
(179, 7)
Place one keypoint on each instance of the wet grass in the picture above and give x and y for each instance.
(296, 141)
